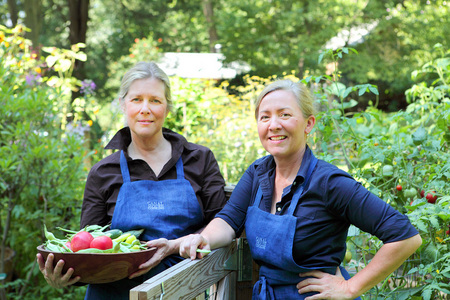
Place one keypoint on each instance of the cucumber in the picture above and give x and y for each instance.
(113, 233)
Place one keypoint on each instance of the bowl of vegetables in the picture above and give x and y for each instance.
(96, 255)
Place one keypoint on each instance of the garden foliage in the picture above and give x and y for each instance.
(41, 165)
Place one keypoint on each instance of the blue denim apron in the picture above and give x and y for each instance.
(271, 240)
(166, 209)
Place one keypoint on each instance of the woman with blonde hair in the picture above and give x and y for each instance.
(296, 211)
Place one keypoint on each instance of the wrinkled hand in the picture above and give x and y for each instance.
(190, 244)
(53, 276)
(333, 287)
(163, 250)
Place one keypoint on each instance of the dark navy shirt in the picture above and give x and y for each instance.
(332, 202)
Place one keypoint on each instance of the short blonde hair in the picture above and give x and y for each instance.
(144, 70)
(302, 94)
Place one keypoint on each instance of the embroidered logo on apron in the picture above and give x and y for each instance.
(152, 205)
(261, 242)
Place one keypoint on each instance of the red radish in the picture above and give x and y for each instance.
(81, 240)
(67, 244)
(102, 242)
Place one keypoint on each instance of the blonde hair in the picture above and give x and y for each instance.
(302, 94)
(144, 70)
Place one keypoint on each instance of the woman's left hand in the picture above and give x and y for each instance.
(164, 249)
(326, 285)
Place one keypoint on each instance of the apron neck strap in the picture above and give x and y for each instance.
(304, 186)
(124, 168)
(126, 172)
(180, 169)
(298, 192)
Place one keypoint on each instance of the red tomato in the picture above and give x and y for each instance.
(81, 240)
(68, 245)
(422, 193)
(102, 242)
(399, 187)
(431, 197)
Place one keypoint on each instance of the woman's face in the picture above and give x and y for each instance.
(282, 128)
(145, 108)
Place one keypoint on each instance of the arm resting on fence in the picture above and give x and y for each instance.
(188, 278)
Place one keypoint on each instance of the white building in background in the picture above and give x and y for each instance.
(351, 37)
(200, 65)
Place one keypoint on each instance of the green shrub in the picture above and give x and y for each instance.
(41, 165)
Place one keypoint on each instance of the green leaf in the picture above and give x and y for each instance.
(362, 91)
(346, 92)
(350, 104)
(419, 136)
(426, 294)
(435, 222)
(321, 55)
(374, 90)
(421, 226)
(336, 88)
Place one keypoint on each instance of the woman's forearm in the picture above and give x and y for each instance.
(218, 233)
(386, 260)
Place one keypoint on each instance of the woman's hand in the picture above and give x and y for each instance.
(53, 276)
(164, 249)
(326, 285)
(190, 244)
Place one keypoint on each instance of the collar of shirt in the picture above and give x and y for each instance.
(265, 170)
(122, 139)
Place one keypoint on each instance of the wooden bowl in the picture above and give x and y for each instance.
(100, 267)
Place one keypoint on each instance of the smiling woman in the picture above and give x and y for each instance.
(296, 211)
(157, 181)
(282, 126)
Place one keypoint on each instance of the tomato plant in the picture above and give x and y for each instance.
(408, 148)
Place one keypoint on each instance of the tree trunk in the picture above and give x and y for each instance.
(208, 11)
(78, 16)
(33, 20)
(12, 7)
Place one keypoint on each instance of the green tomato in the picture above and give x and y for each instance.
(348, 256)
(388, 170)
(409, 193)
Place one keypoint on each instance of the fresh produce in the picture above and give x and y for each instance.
(94, 239)
(410, 193)
(431, 197)
(399, 187)
(81, 240)
(422, 193)
(102, 242)
(388, 170)
(348, 256)
(114, 233)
